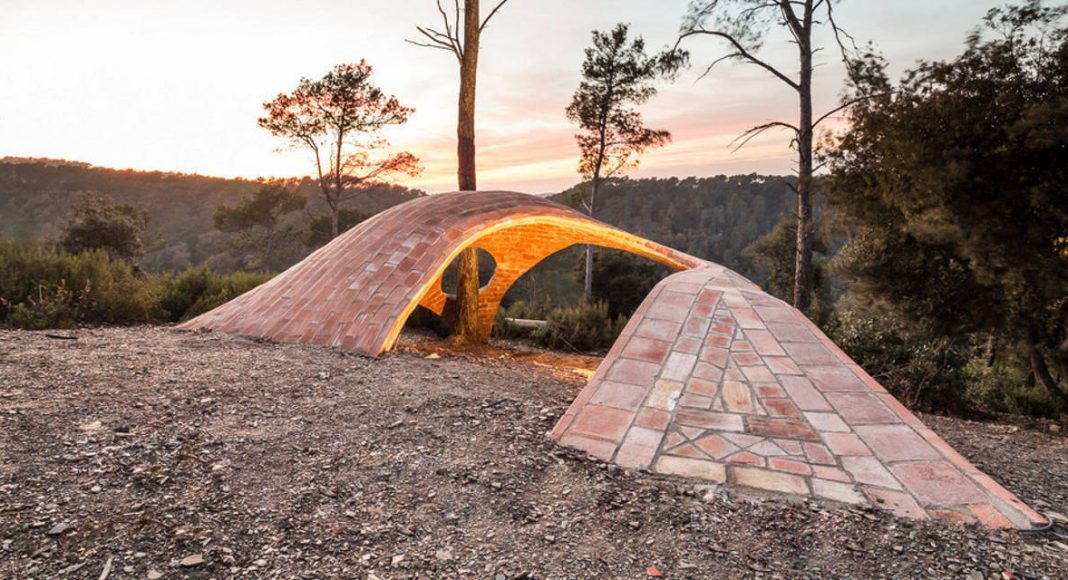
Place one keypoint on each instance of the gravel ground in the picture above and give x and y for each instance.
(148, 452)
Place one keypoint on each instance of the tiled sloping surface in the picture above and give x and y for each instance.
(357, 291)
(715, 380)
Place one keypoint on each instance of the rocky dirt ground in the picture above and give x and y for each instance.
(148, 452)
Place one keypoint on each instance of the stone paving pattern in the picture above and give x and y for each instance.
(712, 379)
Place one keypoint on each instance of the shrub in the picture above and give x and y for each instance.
(580, 328)
(198, 290)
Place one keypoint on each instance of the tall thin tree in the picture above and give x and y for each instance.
(616, 75)
(464, 46)
(743, 25)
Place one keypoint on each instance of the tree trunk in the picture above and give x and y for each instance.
(467, 288)
(587, 289)
(803, 262)
(334, 219)
(1041, 372)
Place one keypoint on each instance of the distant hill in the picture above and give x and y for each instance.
(36, 197)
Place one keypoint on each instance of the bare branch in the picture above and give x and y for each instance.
(708, 69)
(742, 52)
(492, 12)
(751, 133)
(846, 105)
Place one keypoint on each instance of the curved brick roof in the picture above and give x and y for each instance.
(715, 380)
(357, 291)
(712, 379)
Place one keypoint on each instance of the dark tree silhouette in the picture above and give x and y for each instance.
(98, 224)
(257, 218)
(464, 46)
(339, 119)
(615, 76)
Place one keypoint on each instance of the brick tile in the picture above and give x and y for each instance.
(702, 387)
(837, 491)
(658, 329)
(830, 473)
(837, 378)
(789, 465)
(638, 448)
(951, 515)
(718, 341)
(653, 418)
(845, 444)
(709, 420)
(861, 408)
(769, 391)
(695, 401)
(781, 408)
(817, 453)
(898, 503)
(715, 356)
(707, 372)
(869, 470)
(746, 458)
(678, 366)
(937, 483)
(896, 443)
(696, 325)
(604, 422)
(990, 517)
(804, 394)
(783, 428)
(743, 440)
(743, 359)
(598, 448)
(759, 374)
(619, 395)
(633, 372)
(810, 354)
(715, 446)
(767, 448)
(736, 397)
(777, 313)
(747, 318)
(664, 395)
(669, 312)
(782, 365)
(769, 480)
(646, 349)
(764, 343)
(790, 332)
(789, 445)
(830, 422)
(687, 345)
(696, 468)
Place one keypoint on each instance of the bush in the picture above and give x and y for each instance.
(580, 328)
(41, 288)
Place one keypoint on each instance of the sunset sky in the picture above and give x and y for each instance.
(178, 85)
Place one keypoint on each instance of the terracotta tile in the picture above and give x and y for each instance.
(990, 517)
(664, 395)
(697, 468)
(937, 483)
(896, 443)
(869, 470)
(747, 318)
(830, 422)
(638, 448)
(707, 372)
(646, 349)
(658, 329)
(769, 480)
(789, 445)
(782, 428)
(633, 372)
(716, 446)
(862, 409)
(764, 343)
(695, 401)
(767, 448)
(789, 465)
(837, 491)
(790, 332)
(746, 359)
(836, 378)
(810, 354)
(678, 366)
(804, 394)
(759, 374)
(769, 391)
(619, 395)
(781, 408)
(598, 448)
(736, 397)
(831, 473)
(702, 387)
(687, 345)
(746, 458)
(742, 440)
(603, 422)
(898, 503)
(782, 365)
(845, 444)
(709, 420)
(817, 453)
(653, 418)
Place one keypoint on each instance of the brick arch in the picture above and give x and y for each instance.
(357, 291)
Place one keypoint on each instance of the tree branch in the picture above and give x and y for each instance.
(742, 52)
(492, 12)
(751, 133)
(846, 105)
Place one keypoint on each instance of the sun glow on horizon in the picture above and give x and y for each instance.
(178, 87)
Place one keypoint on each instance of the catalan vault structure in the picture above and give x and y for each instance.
(712, 379)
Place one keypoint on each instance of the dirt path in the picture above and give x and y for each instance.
(144, 447)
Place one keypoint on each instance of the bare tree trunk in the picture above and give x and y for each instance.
(587, 290)
(334, 225)
(467, 288)
(1041, 372)
(803, 264)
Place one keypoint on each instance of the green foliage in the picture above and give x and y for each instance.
(953, 187)
(40, 288)
(622, 280)
(198, 290)
(262, 223)
(98, 224)
(774, 255)
(582, 327)
(317, 233)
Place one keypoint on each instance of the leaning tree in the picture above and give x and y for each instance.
(616, 76)
(464, 46)
(339, 119)
(743, 26)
